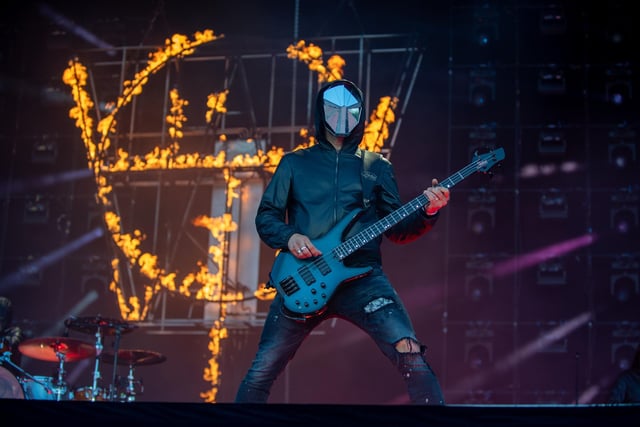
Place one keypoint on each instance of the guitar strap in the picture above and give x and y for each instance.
(371, 165)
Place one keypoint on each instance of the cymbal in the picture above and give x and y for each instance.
(52, 349)
(106, 326)
(134, 357)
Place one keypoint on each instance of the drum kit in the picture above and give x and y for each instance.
(64, 350)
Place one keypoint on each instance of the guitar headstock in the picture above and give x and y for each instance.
(485, 161)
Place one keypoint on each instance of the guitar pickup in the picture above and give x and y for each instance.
(323, 266)
(289, 285)
(307, 275)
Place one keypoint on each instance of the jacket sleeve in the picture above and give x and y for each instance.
(414, 225)
(271, 217)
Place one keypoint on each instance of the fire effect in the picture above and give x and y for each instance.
(312, 56)
(377, 129)
(200, 284)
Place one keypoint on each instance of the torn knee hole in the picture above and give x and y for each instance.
(377, 304)
(407, 345)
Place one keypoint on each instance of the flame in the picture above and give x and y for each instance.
(264, 293)
(217, 333)
(376, 131)
(312, 56)
(216, 104)
(177, 118)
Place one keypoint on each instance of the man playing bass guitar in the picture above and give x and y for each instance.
(310, 193)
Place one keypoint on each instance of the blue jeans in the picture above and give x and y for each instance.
(371, 304)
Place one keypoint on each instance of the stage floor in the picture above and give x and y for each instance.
(140, 414)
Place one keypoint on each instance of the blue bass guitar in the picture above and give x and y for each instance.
(307, 284)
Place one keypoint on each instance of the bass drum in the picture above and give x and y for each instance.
(43, 388)
(9, 385)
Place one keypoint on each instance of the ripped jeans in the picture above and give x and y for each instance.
(371, 304)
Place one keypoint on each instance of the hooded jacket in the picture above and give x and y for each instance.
(313, 188)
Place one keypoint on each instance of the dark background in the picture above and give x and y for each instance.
(539, 79)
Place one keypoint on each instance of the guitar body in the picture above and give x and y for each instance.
(307, 284)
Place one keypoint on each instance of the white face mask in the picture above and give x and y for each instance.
(341, 110)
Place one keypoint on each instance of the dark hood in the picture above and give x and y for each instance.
(352, 141)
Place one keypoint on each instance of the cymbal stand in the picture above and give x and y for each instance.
(113, 388)
(60, 384)
(131, 385)
(96, 369)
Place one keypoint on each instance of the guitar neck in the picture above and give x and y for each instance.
(363, 237)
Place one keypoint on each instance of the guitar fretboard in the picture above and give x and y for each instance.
(358, 240)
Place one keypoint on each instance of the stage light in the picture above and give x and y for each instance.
(481, 219)
(478, 283)
(551, 272)
(36, 209)
(75, 29)
(44, 151)
(553, 204)
(551, 81)
(622, 155)
(478, 348)
(63, 224)
(624, 212)
(618, 86)
(624, 286)
(625, 338)
(551, 339)
(623, 283)
(624, 219)
(622, 354)
(478, 355)
(481, 138)
(552, 140)
(485, 25)
(29, 272)
(553, 20)
(478, 286)
(482, 86)
(481, 216)
(622, 148)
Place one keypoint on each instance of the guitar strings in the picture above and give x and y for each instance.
(464, 172)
